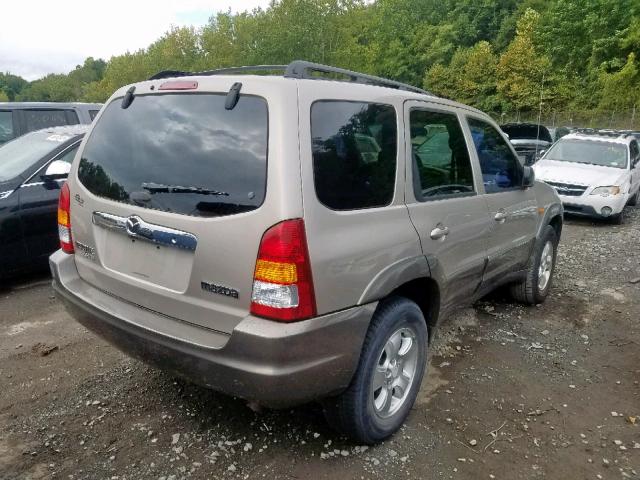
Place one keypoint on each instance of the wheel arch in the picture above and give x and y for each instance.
(410, 278)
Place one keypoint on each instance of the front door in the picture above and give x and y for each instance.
(513, 209)
(443, 200)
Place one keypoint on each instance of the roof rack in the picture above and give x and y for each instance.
(302, 70)
(603, 133)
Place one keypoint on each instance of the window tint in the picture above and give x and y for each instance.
(180, 153)
(38, 119)
(354, 153)
(6, 126)
(69, 155)
(93, 113)
(441, 164)
(501, 170)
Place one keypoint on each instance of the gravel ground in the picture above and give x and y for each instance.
(511, 393)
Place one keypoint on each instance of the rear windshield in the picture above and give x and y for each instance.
(181, 153)
(527, 132)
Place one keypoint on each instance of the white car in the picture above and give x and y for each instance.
(594, 175)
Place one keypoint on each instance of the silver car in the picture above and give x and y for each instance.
(283, 238)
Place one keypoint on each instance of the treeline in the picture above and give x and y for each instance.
(498, 55)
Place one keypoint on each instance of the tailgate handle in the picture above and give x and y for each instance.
(135, 227)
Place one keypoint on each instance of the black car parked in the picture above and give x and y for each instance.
(18, 118)
(32, 170)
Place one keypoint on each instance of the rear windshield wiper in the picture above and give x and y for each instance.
(161, 188)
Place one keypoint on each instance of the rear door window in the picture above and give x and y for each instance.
(354, 153)
(39, 119)
(6, 126)
(181, 153)
(441, 164)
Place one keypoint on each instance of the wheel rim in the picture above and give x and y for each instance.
(546, 266)
(394, 372)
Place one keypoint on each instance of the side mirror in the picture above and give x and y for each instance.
(57, 170)
(529, 177)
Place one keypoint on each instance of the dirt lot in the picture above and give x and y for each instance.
(512, 393)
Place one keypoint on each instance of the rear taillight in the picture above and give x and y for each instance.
(282, 283)
(64, 219)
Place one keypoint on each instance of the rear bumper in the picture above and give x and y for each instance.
(274, 364)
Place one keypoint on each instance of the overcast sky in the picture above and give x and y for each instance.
(44, 36)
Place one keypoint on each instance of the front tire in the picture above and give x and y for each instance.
(535, 287)
(633, 201)
(388, 377)
(618, 218)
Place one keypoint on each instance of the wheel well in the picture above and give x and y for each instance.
(426, 294)
(556, 223)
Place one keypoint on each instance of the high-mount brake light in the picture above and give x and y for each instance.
(282, 284)
(64, 219)
(178, 85)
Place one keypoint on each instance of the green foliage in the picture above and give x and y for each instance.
(3, 96)
(497, 55)
(11, 85)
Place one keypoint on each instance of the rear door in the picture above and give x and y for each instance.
(172, 194)
(513, 209)
(443, 199)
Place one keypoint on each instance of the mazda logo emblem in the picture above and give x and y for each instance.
(133, 225)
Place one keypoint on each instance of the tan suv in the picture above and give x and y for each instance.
(296, 237)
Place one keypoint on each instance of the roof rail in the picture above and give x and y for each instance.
(302, 70)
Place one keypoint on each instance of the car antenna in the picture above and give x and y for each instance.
(535, 158)
(128, 98)
(233, 96)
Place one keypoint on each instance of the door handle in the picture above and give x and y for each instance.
(500, 216)
(439, 233)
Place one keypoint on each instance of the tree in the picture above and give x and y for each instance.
(12, 85)
(3, 96)
(521, 68)
(621, 90)
(470, 77)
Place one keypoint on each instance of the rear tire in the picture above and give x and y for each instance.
(388, 377)
(535, 287)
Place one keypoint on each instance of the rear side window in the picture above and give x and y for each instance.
(354, 153)
(38, 119)
(93, 114)
(181, 153)
(6, 126)
(441, 164)
(501, 170)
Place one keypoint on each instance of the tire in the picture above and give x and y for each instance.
(618, 218)
(633, 201)
(535, 287)
(369, 415)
